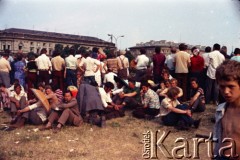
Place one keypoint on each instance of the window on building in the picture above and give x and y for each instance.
(31, 43)
(44, 44)
(8, 47)
(20, 47)
(38, 51)
(31, 49)
(4, 47)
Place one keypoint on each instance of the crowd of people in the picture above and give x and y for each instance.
(172, 87)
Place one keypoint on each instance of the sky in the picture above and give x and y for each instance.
(196, 22)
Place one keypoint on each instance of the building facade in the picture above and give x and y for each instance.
(23, 40)
(165, 47)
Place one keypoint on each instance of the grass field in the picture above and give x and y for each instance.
(121, 139)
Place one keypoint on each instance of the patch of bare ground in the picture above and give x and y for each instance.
(121, 139)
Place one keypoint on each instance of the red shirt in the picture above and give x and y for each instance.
(197, 63)
(158, 63)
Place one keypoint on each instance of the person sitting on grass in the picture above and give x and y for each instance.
(5, 100)
(35, 113)
(18, 100)
(227, 114)
(110, 109)
(175, 114)
(66, 112)
(150, 101)
(197, 100)
(130, 97)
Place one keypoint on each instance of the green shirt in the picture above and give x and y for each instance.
(130, 90)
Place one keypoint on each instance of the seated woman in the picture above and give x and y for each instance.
(175, 114)
(5, 100)
(197, 101)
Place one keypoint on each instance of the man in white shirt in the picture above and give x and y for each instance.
(142, 63)
(71, 69)
(169, 61)
(215, 59)
(87, 66)
(109, 77)
(44, 67)
(18, 100)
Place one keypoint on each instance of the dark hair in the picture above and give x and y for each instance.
(72, 51)
(194, 79)
(43, 51)
(95, 49)
(68, 91)
(109, 85)
(193, 48)
(236, 51)
(145, 83)
(216, 46)
(229, 70)
(172, 92)
(19, 56)
(208, 49)
(158, 49)
(17, 85)
(183, 47)
(173, 49)
(130, 79)
(143, 51)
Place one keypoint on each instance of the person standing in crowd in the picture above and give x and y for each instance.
(71, 69)
(5, 68)
(215, 59)
(58, 68)
(236, 56)
(97, 74)
(158, 64)
(112, 62)
(182, 62)
(223, 50)
(123, 65)
(169, 61)
(87, 66)
(19, 68)
(206, 62)
(227, 113)
(197, 65)
(44, 67)
(31, 69)
(142, 63)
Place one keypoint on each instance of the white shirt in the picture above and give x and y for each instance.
(109, 77)
(166, 102)
(169, 61)
(88, 64)
(105, 97)
(206, 59)
(215, 59)
(40, 111)
(142, 61)
(71, 62)
(43, 62)
(18, 96)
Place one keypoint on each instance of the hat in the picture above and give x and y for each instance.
(122, 52)
(40, 95)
